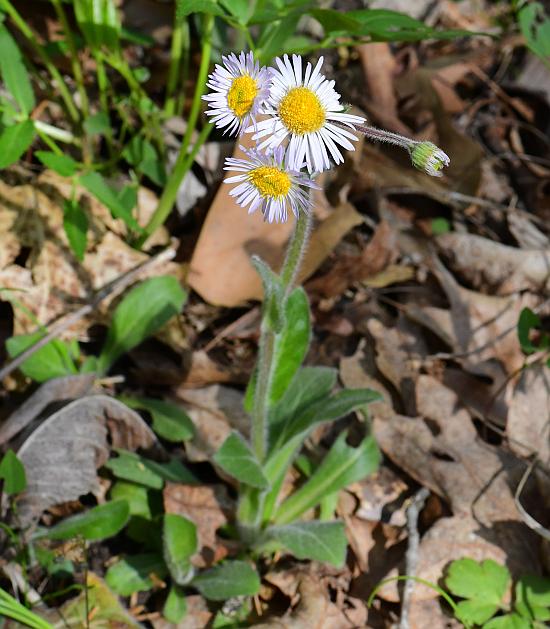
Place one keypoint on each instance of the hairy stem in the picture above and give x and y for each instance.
(289, 272)
(296, 249)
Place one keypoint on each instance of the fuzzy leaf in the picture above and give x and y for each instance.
(179, 540)
(175, 606)
(320, 541)
(134, 573)
(97, 523)
(342, 466)
(231, 578)
(237, 459)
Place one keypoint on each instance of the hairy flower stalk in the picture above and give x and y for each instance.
(424, 155)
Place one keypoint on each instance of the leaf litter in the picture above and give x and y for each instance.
(427, 319)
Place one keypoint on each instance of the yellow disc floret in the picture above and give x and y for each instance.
(241, 95)
(270, 181)
(301, 111)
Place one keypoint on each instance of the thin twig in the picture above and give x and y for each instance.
(411, 557)
(70, 319)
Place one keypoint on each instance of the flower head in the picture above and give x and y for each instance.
(267, 183)
(239, 87)
(428, 157)
(306, 109)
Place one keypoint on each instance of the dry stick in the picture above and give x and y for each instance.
(411, 557)
(67, 321)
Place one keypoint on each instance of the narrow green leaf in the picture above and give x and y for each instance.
(97, 523)
(386, 25)
(75, 223)
(99, 23)
(342, 466)
(63, 165)
(138, 469)
(309, 385)
(96, 185)
(186, 7)
(273, 295)
(175, 606)
(14, 141)
(14, 73)
(237, 459)
(134, 573)
(278, 32)
(291, 344)
(334, 21)
(51, 361)
(240, 9)
(179, 541)
(12, 472)
(143, 311)
(329, 409)
(170, 421)
(232, 578)
(320, 541)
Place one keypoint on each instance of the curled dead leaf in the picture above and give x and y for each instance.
(63, 453)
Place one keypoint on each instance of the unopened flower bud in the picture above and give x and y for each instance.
(428, 157)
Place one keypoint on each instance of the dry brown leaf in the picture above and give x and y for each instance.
(357, 372)
(430, 614)
(478, 327)
(215, 411)
(314, 610)
(206, 507)
(441, 450)
(528, 425)
(525, 232)
(380, 68)
(376, 170)
(504, 269)
(379, 252)
(399, 352)
(326, 236)
(56, 390)
(61, 455)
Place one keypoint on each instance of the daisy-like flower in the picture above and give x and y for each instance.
(239, 87)
(428, 157)
(266, 182)
(306, 109)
